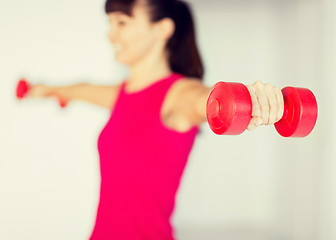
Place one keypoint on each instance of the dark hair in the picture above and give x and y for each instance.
(184, 57)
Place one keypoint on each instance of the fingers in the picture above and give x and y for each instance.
(280, 100)
(267, 104)
(254, 123)
(272, 104)
(39, 91)
(263, 100)
(255, 103)
(34, 91)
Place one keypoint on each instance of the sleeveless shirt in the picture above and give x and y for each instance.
(141, 164)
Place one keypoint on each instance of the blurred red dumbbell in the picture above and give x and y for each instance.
(229, 109)
(23, 88)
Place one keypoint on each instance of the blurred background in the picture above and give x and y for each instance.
(256, 186)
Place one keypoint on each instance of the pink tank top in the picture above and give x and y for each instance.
(141, 164)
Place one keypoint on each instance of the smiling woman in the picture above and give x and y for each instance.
(156, 40)
(155, 116)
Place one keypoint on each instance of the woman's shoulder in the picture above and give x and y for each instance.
(178, 102)
(183, 88)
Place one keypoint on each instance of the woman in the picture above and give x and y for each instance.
(155, 116)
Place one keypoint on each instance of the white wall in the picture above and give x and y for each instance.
(254, 186)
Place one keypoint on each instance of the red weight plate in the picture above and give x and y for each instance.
(229, 108)
(300, 113)
(22, 88)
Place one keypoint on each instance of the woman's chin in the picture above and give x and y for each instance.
(121, 59)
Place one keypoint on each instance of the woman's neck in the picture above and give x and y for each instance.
(148, 71)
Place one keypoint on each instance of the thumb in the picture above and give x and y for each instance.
(254, 123)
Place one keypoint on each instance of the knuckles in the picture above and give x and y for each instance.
(267, 102)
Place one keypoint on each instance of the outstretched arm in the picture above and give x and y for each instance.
(103, 96)
(267, 103)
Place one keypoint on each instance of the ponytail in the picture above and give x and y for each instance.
(183, 56)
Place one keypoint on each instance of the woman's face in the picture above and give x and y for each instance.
(132, 37)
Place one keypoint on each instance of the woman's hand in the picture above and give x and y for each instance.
(38, 91)
(267, 104)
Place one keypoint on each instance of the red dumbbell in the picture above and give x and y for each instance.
(229, 109)
(23, 88)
